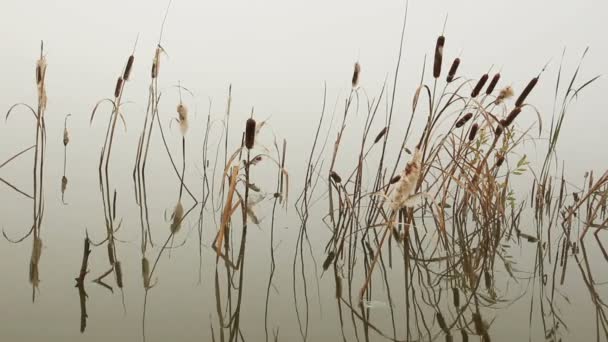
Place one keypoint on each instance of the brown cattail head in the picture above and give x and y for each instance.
(66, 137)
(498, 130)
(118, 88)
(500, 158)
(177, 217)
(356, 73)
(111, 252)
(250, 133)
(395, 179)
(336, 178)
(453, 69)
(511, 117)
(438, 56)
(493, 84)
(524, 94)
(145, 272)
(463, 120)
(505, 93)
(482, 81)
(128, 68)
(156, 62)
(118, 269)
(473, 131)
(64, 184)
(328, 260)
(380, 135)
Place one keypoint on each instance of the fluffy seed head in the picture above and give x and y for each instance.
(505, 93)
(182, 112)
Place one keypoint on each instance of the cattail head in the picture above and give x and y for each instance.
(64, 184)
(40, 70)
(482, 81)
(182, 112)
(177, 217)
(505, 93)
(329, 260)
(356, 72)
(463, 120)
(473, 131)
(66, 137)
(395, 179)
(438, 56)
(156, 62)
(250, 133)
(118, 270)
(335, 177)
(511, 117)
(380, 135)
(524, 94)
(500, 158)
(498, 130)
(118, 87)
(111, 252)
(145, 272)
(128, 68)
(36, 250)
(493, 83)
(453, 69)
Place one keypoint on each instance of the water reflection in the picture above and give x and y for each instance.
(430, 241)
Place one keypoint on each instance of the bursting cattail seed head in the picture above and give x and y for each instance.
(118, 88)
(356, 72)
(505, 93)
(250, 133)
(128, 68)
(493, 84)
(463, 120)
(482, 81)
(524, 94)
(453, 69)
(182, 112)
(473, 131)
(438, 56)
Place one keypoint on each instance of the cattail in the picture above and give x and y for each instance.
(438, 56)
(338, 287)
(66, 137)
(395, 179)
(465, 336)
(453, 69)
(463, 120)
(526, 92)
(182, 112)
(250, 133)
(335, 177)
(499, 160)
(328, 260)
(118, 87)
(473, 131)
(511, 117)
(40, 70)
(504, 94)
(128, 68)
(408, 181)
(64, 184)
(482, 81)
(177, 217)
(36, 250)
(356, 73)
(111, 252)
(441, 322)
(493, 83)
(380, 135)
(145, 272)
(156, 62)
(118, 269)
(498, 130)
(456, 295)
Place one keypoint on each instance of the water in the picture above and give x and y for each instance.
(512, 268)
